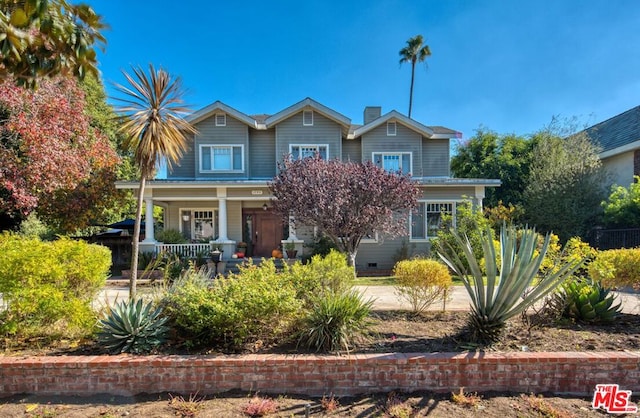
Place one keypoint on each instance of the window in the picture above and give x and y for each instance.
(221, 158)
(394, 162)
(391, 129)
(299, 152)
(221, 119)
(370, 237)
(427, 218)
(307, 117)
(199, 224)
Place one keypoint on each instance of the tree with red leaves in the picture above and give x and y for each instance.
(346, 201)
(51, 159)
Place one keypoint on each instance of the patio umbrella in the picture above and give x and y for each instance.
(125, 224)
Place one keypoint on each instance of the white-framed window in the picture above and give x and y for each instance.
(394, 162)
(370, 238)
(391, 129)
(426, 219)
(307, 117)
(221, 158)
(300, 151)
(199, 224)
(221, 119)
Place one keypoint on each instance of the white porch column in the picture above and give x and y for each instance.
(479, 197)
(292, 229)
(148, 221)
(222, 219)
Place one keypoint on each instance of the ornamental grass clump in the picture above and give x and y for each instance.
(510, 287)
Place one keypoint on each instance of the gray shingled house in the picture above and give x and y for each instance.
(619, 139)
(219, 191)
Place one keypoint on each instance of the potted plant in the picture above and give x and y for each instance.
(290, 249)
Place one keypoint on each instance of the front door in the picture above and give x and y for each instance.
(266, 231)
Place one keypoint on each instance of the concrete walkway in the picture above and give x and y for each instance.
(384, 298)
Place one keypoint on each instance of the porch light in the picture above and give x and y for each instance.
(265, 207)
(185, 218)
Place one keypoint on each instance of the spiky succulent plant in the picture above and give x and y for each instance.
(510, 287)
(133, 327)
(588, 301)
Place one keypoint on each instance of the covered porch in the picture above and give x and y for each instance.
(215, 215)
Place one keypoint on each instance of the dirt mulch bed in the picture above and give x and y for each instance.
(401, 331)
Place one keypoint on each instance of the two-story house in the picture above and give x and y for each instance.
(219, 191)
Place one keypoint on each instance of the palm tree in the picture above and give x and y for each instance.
(414, 52)
(154, 130)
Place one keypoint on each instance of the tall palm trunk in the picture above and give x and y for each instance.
(413, 72)
(135, 245)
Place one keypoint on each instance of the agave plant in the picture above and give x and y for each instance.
(588, 301)
(133, 327)
(509, 289)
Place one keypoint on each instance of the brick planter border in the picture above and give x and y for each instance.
(316, 375)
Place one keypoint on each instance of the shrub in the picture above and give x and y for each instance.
(503, 296)
(335, 320)
(421, 282)
(617, 268)
(133, 327)
(587, 301)
(48, 287)
(256, 304)
(321, 275)
(171, 236)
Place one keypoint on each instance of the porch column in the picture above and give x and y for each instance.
(479, 197)
(222, 219)
(292, 229)
(148, 221)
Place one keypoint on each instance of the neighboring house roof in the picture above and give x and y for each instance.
(436, 132)
(309, 103)
(618, 134)
(216, 107)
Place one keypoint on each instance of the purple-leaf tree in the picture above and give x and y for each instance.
(346, 201)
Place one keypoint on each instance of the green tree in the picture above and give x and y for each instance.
(564, 189)
(622, 208)
(415, 51)
(154, 130)
(490, 155)
(46, 37)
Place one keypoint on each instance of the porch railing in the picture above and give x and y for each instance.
(184, 250)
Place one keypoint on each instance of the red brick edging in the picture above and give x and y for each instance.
(316, 375)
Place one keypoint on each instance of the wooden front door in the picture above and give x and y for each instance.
(266, 231)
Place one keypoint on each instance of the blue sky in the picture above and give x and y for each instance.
(505, 65)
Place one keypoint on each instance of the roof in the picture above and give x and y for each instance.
(436, 132)
(308, 103)
(618, 131)
(213, 108)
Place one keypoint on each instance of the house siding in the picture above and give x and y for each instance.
(405, 140)
(234, 133)
(262, 153)
(435, 157)
(620, 169)
(352, 150)
(323, 131)
(184, 169)
(376, 256)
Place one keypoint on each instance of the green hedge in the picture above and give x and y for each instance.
(48, 287)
